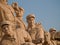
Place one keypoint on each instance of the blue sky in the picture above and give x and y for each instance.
(46, 11)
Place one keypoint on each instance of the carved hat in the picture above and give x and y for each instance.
(30, 16)
(14, 4)
(21, 8)
(52, 29)
(5, 23)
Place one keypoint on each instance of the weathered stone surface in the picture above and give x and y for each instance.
(9, 37)
(13, 30)
(6, 12)
(48, 40)
(57, 38)
(36, 31)
(52, 33)
(57, 35)
(20, 26)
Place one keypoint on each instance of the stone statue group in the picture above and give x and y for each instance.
(13, 30)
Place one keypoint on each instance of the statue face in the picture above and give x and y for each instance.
(30, 21)
(20, 14)
(19, 11)
(7, 29)
(52, 34)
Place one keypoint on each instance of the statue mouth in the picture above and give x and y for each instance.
(8, 35)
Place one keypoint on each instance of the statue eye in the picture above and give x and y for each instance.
(3, 29)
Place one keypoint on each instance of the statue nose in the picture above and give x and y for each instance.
(6, 29)
(31, 21)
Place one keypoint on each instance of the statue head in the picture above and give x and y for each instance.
(30, 19)
(14, 4)
(6, 27)
(19, 10)
(52, 32)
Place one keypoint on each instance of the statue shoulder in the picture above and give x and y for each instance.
(39, 27)
(38, 24)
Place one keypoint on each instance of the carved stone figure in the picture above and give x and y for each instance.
(20, 26)
(35, 30)
(52, 33)
(9, 37)
(6, 11)
(48, 40)
(14, 30)
(19, 15)
(23, 36)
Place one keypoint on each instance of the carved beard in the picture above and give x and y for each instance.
(9, 35)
